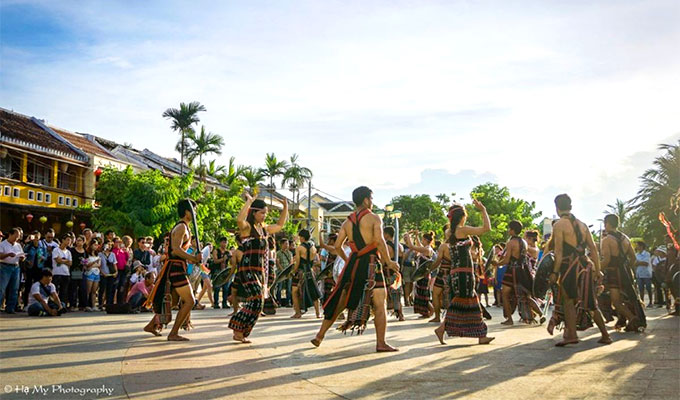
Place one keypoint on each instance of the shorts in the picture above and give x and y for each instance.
(177, 270)
(205, 275)
(93, 277)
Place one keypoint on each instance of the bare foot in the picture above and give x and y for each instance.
(318, 316)
(440, 335)
(551, 326)
(177, 338)
(566, 342)
(385, 348)
(296, 316)
(151, 331)
(508, 322)
(605, 340)
(316, 341)
(240, 339)
(435, 320)
(486, 340)
(401, 317)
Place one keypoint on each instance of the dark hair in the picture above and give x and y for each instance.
(476, 242)
(185, 205)
(456, 214)
(429, 236)
(222, 239)
(65, 236)
(148, 275)
(533, 234)
(92, 247)
(80, 237)
(388, 230)
(46, 272)
(304, 233)
(563, 202)
(333, 236)
(516, 226)
(50, 230)
(140, 239)
(13, 231)
(282, 241)
(612, 220)
(360, 194)
(641, 243)
(87, 230)
(257, 205)
(271, 242)
(109, 231)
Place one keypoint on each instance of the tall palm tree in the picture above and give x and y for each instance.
(232, 172)
(295, 178)
(253, 177)
(182, 119)
(620, 208)
(659, 190)
(273, 168)
(211, 169)
(202, 144)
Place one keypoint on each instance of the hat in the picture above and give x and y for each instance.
(661, 249)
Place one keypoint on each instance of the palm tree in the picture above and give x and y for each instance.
(272, 169)
(232, 172)
(620, 208)
(212, 170)
(202, 144)
(659, 191)
(253, 177)
(295, 178)
(182, 119)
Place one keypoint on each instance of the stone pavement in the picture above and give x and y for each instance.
(80, 353)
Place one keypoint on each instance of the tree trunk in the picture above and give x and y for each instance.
(181, 156)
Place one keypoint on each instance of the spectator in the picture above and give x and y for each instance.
(122, 259)
(220, 257)
(78, 286)
(61, 262)
(35, 261)
(108, 272)
(44, 299)
(206, 284)
(140, 291)
(92, 277)
(142, 254)
(87, 232)
(11, 254)
(659, 272)
(139, 273)
(643, 271)
(50, 244)
(284, 258)
(109, 236)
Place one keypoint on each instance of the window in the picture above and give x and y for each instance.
(39, 196)
(48, 198)
(68, 202)
(31, 195)
(75, 202)
(60, 200)
(16, 192)
(6, 191)
(39, 172)
(10, 167)
(66, 181)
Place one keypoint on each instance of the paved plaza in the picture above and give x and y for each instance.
(82, 355)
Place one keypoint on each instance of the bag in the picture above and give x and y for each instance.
(124, 308)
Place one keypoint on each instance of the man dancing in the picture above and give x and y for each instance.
(575, 271)
(361, 282)
(173, 281)
(394, 288)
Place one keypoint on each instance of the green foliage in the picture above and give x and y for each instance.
(290, 228)
(420, 212)
(502, 209)
(217, 212)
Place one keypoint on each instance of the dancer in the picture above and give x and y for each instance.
(394, 289)
(172, 282)
(422, 302)
(464, 314)
(617, 256)
(517, 281)
(329, 282)
(253, 266)
(305, 291)
(270, 304)
(477, 253)
(235, 288)
(575, 272)
(361, 282)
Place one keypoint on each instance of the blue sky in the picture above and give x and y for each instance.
(407, 97)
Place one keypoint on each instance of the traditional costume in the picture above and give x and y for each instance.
(520, 279)
(359, 277)
(270, 304)
(464, 313)
(252, 279)
(305, 280)
(394, 289)
(329, 282)
(172, 275)
(422, 299)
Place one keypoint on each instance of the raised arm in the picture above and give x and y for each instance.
(272, 229)
(477, 230)
(424, 250)
(243, 214)
(342, 236)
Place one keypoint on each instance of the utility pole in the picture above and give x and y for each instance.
(309, 205)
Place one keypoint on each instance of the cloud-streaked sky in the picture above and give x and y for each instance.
(404, 96)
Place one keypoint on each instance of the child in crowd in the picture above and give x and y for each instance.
(92, 277)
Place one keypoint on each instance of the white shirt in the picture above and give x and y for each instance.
(643, 271)
(60, 269)
(35, 289)
(339, 264)
(7, 247)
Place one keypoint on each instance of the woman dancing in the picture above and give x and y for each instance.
(253, 267)
(464, 314)
(422, 302)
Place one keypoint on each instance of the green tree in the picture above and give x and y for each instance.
(202, 144)
(253, 177)
(233, 173)
(659, 191)
(620, 208)
(182, 119)
(502, 209)
(420, 212)
(273, 168)
(295, 178)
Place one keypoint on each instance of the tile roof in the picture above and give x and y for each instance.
(26, 132)
(83, 143)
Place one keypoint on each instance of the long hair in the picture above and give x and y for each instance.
(256, 206)
(456, 214)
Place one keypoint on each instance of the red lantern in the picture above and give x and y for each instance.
(29, 218)
(97, 172)
(82, 226)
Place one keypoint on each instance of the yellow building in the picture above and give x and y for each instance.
(326, 215)
(41, 175)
